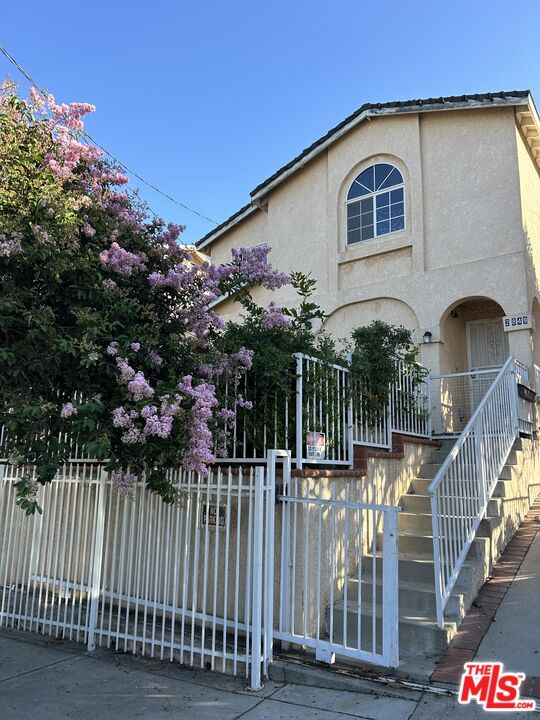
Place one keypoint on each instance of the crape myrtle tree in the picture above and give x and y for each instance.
(106, 335)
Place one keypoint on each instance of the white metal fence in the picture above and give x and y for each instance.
(465, 482)
(455, 397)
(317, 398)
(187, 582)
(338, 571)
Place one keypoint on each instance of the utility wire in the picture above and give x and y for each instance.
(103, 149)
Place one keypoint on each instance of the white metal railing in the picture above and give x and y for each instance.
(455, 396)
(184, 582)
(407, 411)
(337, 571)
(409, 403)
(465, 482)
(323, 405)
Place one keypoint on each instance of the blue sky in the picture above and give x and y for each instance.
(208, 99)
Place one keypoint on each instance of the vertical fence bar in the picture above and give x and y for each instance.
(256, 623)
(96, 560)
(390, 588)
(299, 410)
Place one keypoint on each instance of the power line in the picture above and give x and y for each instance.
(103, 149)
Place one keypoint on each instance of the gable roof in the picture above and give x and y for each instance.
(453, 102)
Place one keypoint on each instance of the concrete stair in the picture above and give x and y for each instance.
(418, 631)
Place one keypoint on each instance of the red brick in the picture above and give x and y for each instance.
(453, 678)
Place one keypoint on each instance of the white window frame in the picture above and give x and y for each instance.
(373, 196)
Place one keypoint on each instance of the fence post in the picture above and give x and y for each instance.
(514, 399)
(256, 619)
(299, 410)
(390, 588)
(437, 559)
(479, 452)
(97, 556)
(350, 445)
(429, 408)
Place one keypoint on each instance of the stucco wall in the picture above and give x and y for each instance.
(470, 187)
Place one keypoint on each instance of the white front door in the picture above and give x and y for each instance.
(487, 344)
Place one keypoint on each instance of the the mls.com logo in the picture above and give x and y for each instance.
(490, 686)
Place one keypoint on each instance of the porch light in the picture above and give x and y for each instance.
(427, 337)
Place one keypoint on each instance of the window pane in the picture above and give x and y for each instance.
(353, 223)
(353, 210)
(367, 219)
(367, 206)
(383, 227)
(383, 199)
(367, 178)
(397, 223)
(397, 195)
(397, 209)
(367, 232)
(382, 171)
(354, 236)
(383, 213)
(357, 190)
(394, 178)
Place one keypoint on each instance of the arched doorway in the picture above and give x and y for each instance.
(473, 336)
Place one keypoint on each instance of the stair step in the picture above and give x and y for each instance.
(439, 456)
(413, 596)
(429, 470)
(419, 486)
(419, 568)
(417, 636)
(414, 543)
(422, 504)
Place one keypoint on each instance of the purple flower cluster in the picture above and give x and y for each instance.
(112, 348)
(139, 387)
(10, 246)
(253, 263)
(88, 230)
(68, 410)
(122, 261)
(274, 317)
(124, 481)
(155, 358)
(198, 453)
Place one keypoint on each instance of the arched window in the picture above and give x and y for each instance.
(375, 204)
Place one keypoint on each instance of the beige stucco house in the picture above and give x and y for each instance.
(424, 213)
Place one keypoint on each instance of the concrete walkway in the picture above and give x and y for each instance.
(47, 679)
(504, 622)
(514, 636)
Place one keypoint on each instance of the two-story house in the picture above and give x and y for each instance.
(424, 213)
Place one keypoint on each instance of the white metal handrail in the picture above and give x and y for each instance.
(465, 482)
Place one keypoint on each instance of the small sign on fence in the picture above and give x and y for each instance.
(315, 445)
(212, 514)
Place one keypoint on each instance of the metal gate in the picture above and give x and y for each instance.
(337, 569)
(189, 582)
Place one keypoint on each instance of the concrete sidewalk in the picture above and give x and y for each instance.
(514, 636)
(47, 679)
